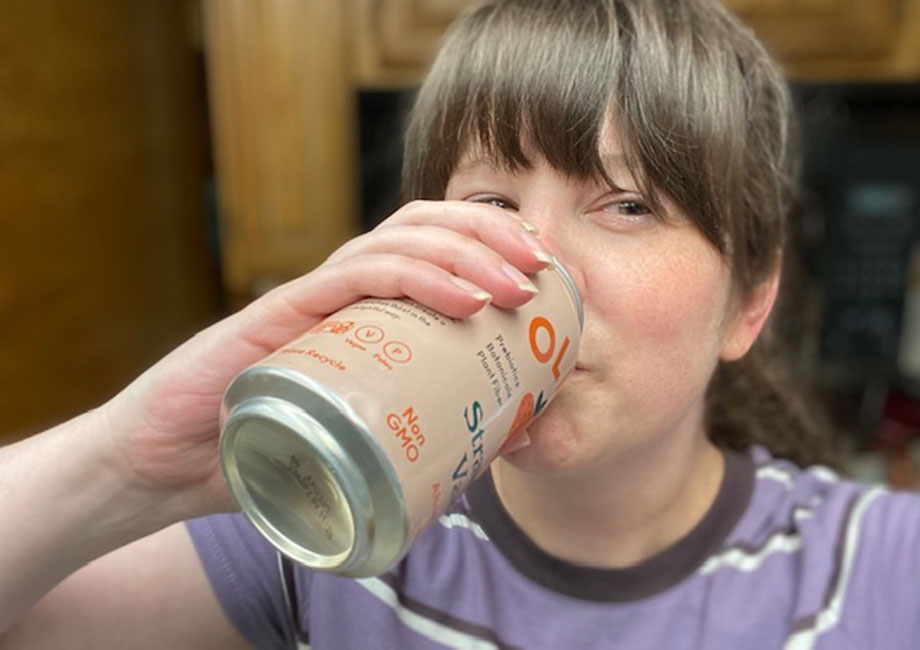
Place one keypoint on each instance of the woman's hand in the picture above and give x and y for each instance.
(451, 256)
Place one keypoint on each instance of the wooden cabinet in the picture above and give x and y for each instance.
(839, 40)
(105, 263)
(283, 124)
(396, 39)
(852, 40)
(283, 76)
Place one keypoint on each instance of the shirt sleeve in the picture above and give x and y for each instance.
(243, 571)
(886, 572)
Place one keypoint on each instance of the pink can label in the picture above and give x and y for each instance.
(442, 396)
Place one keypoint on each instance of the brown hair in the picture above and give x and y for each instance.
(703, 114)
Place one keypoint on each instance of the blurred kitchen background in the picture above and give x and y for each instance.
(164, 161)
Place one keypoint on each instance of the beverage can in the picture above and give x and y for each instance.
(341, 446)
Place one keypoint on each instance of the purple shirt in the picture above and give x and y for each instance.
(785, 558)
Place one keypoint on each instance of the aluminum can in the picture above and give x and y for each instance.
(341, 446)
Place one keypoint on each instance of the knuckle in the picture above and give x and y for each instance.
(415, 207)
(411, 266)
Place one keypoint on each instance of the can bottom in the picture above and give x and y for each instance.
(283, 470)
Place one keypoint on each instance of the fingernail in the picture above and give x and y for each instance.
(529, 227)
(472, 289)
(521, 280)
(546, 258)
(537, 247)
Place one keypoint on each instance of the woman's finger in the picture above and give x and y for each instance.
(290, 309)
(459, 254)
(498, 229)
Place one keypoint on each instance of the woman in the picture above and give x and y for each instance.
(646, 142)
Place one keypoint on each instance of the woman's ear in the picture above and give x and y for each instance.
(749, 317)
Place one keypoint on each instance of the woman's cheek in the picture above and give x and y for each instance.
(667, 333)
(675, 297)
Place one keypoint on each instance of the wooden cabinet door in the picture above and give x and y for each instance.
(851, 40)
(105, 263)
(283, 121)
(394, 40)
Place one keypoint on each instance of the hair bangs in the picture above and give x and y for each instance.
(532, 95)
(515, 83)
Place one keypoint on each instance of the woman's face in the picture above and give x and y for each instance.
(656, 295)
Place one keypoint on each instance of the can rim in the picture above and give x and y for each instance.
(569, 282)
(355, 497)
(367, 462)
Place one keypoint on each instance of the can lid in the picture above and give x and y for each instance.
(295, 484)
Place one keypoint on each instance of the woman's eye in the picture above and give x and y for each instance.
(631, 208)
(497, 201)
(626, 212)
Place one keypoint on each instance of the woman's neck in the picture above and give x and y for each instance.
(616, 516)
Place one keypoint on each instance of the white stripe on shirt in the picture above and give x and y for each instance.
(747, 561)
(420, 624)
(457, 520)
(787, 477)
(775, 473)
(830, 615)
